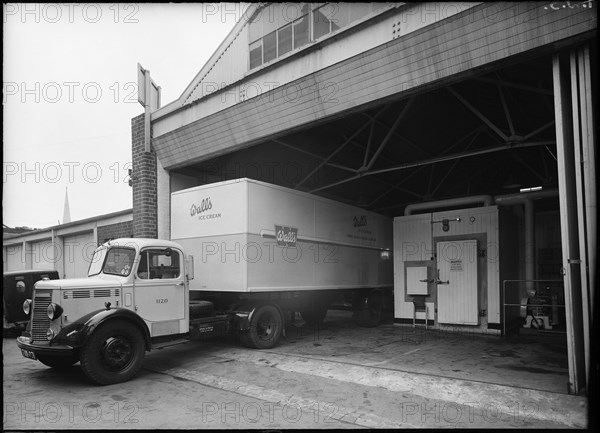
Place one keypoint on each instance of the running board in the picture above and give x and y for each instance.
(172, 342)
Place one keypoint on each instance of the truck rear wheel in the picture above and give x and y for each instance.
(58, 362)
(265, 329)
(370, 315)
(114, 353)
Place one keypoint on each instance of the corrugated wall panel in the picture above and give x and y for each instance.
(228, 69)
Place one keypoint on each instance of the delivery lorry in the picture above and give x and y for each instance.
(245, 257)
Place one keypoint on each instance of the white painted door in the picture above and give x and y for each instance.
(78, 251)
(13, 258)
(42, 255)
(457, 285)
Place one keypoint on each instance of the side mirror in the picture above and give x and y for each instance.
(189, 267)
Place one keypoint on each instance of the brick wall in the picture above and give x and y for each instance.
(115, 231)
(144, 183)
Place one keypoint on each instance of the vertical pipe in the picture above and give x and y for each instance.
(588, 144)
(529, 245)
(579, 89)
(579, 197)
(568, 226)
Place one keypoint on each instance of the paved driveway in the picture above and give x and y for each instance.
(333, 376)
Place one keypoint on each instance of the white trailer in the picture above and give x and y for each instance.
(248, 236)
(256, 244)
(245, 257)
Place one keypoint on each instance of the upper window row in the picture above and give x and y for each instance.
(280, 28)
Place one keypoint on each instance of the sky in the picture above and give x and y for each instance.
(70, 92)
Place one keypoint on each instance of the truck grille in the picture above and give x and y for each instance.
(40, 322)
(84, 294)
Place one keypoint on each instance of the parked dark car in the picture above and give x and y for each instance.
(18, 286)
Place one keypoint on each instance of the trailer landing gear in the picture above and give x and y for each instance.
(315, 315)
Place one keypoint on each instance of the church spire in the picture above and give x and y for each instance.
(66, 210)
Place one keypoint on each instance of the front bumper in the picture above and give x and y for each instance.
(28, 348)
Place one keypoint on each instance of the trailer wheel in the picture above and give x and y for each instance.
(114, 353)
(58, 362)
(265, 329)
(314, 315)
(370, 316)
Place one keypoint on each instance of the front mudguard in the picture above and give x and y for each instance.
(77, 334)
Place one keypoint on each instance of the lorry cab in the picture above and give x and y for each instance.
(136, 291)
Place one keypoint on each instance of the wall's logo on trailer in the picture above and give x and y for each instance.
(360, 221)
(199, 210)
(203, 206)
(286, 236)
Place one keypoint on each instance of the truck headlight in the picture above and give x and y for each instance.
(27, 306)
(54, 311)
(49, 334)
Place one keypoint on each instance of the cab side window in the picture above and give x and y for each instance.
(159, 264)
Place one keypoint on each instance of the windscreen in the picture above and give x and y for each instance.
(112, 261)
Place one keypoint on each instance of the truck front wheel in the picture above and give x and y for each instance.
(265, 329)
(114, 353)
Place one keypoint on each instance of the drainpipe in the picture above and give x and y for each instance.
(526, 199)
(486, 200)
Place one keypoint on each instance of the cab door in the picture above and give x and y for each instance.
(160, 290)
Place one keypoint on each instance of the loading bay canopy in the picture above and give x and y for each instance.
(491, 134)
